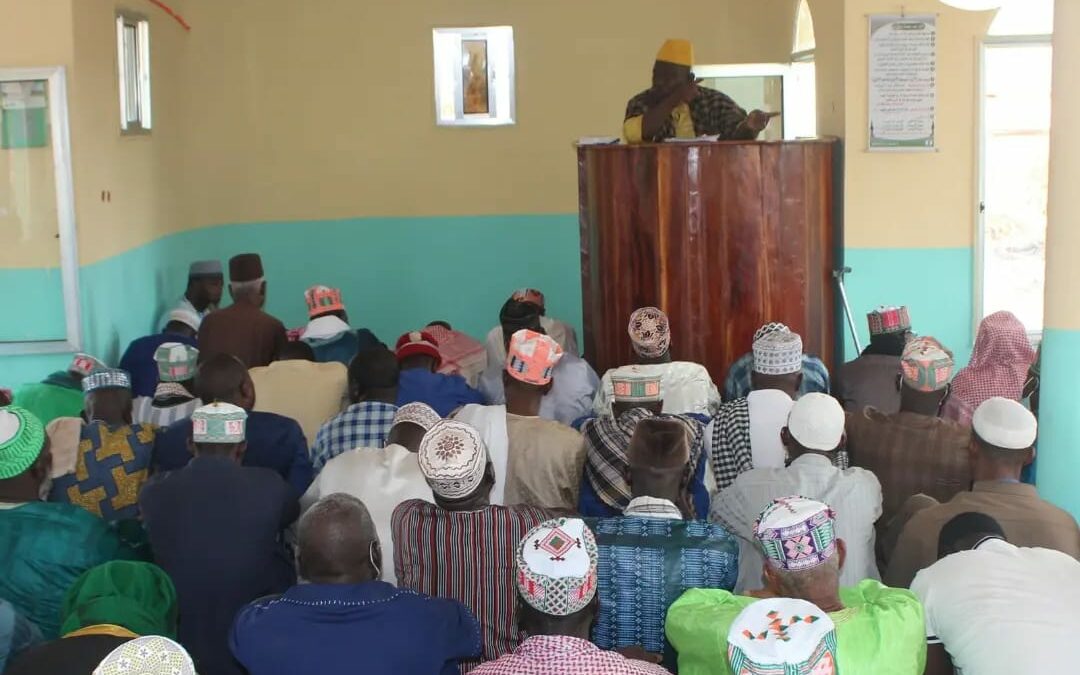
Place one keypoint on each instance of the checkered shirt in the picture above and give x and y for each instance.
(737, 384)
(362, 425)
(565, 655)
(713, 113)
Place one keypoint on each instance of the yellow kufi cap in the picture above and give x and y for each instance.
(679, 52)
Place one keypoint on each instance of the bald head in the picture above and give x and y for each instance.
(338, 543)
(224, 378)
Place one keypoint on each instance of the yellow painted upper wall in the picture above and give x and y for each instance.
(324, 110)
(914, 199)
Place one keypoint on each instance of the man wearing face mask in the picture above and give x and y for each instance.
(676, 106)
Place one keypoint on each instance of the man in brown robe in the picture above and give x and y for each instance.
(243, 329)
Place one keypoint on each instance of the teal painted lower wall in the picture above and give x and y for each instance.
(1059, 420)
(936, 284)
(396, 274)
(401, 273)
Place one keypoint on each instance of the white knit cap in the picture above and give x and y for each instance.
(816, 422)
(778, 353)
(1004, 423)
(453, 459)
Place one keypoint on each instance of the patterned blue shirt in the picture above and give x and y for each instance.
(362, 425)
(737, 385)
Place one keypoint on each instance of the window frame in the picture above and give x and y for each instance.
(140, 79)
(60, 138)
(495, 117)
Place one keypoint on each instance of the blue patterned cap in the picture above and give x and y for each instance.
(106, 378)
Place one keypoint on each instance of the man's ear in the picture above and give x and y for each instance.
(546, 389)
(785, 437)
(841, 550)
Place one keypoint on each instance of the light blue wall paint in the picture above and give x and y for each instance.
(936, 284)
(397, 274)
(31, 293)
(1059, 420)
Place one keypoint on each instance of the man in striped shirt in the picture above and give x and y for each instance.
(173, 398)
(461, 547)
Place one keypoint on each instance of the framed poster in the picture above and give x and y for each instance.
(903, 83)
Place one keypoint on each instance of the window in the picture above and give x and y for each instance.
(1014, 163)
(133, 57)
(805, 43)
(474, 76)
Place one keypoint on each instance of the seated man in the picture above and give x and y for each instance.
(537, 461)
(107, 606)
(328, 330)
(243, 329)
(60, 394)
(605, 487)
(436, 545)
(652, 554)
(556, 579)
(205, 283)
(814, 436)
(216, 528)
(575, 381)
(112, 460)
(17, 635)
(272, 441)
(745, 433)
(140, 357)
(1002, 444)
(46, 545)
(382, 477)
(985, 597)
(173, 398)
(301, 389)
(879, 630)
(372, 390)
(870, 380)
(562, 332)
(738, 382)
(460, 354)
(688, 387)
(913, 451)
(677, 107)
(418, 357)
(782, 635)
(346, 610)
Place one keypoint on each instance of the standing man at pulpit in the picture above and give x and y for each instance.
(676, 106)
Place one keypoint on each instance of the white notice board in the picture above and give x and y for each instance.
(903, 83)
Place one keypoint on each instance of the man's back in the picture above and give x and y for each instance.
(869, 380)
(985, 603)
(246, 332)
(273, 442)
(879, 632)
(544, 464)
(444, 393)
(50, 399)
(646, 564)
(910, 454)
(46, 547)
(310, 393)
(854, 494)
(330, 628)
(215, 527)
(1025, 517)
(469, 556)
(111, 466)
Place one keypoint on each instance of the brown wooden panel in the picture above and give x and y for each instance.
(722, 236)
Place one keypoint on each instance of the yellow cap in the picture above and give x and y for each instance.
(679, 52)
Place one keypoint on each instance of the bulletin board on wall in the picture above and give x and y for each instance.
(24, 118)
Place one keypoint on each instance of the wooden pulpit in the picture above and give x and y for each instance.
(724, 237)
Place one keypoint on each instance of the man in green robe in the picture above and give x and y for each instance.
(46, 546)
(60, 394)
(879, 630)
